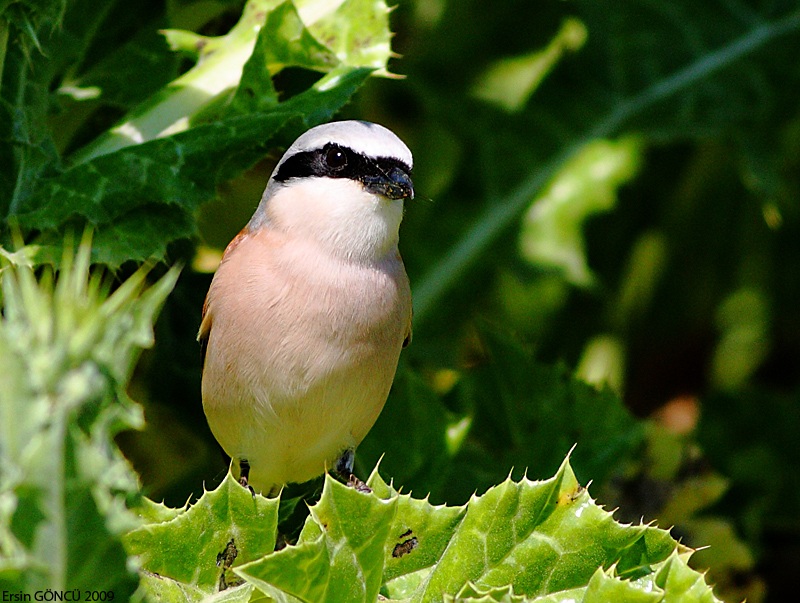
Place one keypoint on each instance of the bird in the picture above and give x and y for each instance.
(306, 316)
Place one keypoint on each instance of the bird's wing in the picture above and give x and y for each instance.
(206, 317)
(409, 329)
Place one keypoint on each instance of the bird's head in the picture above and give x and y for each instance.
(342, 185)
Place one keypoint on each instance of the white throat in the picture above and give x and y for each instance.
(336, 213)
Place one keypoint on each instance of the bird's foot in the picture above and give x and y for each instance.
(244, 475)
(358, 485)
(344, 469)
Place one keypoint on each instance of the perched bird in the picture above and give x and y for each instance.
(310, 307)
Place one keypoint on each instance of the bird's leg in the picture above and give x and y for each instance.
(244, 474)
(344, 466)
(344, 469)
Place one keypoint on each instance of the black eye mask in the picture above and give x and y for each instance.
(336, 161)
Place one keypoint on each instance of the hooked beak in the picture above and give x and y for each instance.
(396, 184)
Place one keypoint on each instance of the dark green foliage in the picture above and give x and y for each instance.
(612, 186)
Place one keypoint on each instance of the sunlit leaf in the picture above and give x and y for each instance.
(339, 556)
(68, 348)
(225, 528)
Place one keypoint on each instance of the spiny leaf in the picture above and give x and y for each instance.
(420, 531)
(552, 526)
(67, 348)
(340, 553)
(226, 527)
(358, 33)
(140, 183)
(520, 541)
(142, 197)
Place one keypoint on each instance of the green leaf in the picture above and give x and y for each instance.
(27, 151)
(161, 588)
(420, 531)
(671, 580)
(287, 42)
(172, 109)
(67, 348)
(625, 87)
(521, 541)
(552, 526)
(152, 512)
(31, 20)
(475, 594)
(121, 81)
(510, 82)
(678, 581)
(605, 586)
(140, 183)
(552, 229)
(62, 33)
(358, 33)
(528, 414)
(226, 65)
(513, 412)
(340, 553)
(189, 547)
(117, 192)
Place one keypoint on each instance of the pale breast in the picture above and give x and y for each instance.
(283, 322)
(301, 354)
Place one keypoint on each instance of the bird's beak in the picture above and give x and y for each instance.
(396, 184)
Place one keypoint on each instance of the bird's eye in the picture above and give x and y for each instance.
(335, 158)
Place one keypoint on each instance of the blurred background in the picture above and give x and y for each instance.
(603, 252)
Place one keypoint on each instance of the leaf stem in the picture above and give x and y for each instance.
(499, 217)
(703, 67)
